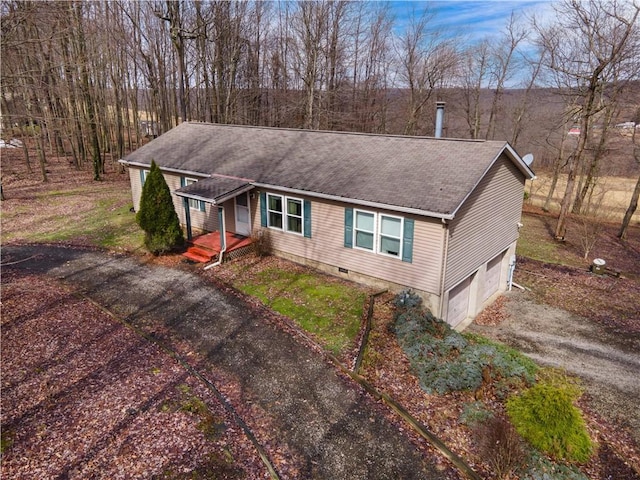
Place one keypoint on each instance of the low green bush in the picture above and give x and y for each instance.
(545, 416)
(446, 360)
(541, 468)
(475, 413)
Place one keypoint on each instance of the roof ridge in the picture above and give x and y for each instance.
(344, 132)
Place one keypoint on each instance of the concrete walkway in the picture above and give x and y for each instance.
(319, 415)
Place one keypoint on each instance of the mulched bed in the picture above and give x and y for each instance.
(85, 397)
(388, 369)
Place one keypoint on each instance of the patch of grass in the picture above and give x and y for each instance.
(536, 242)
(331, 311)
(6, 440)
(106, 223)
(209, 424)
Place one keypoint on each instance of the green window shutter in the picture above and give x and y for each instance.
(407, 240)
(263, 209)
(183, 182)
(142, 177)
(348, 227)
(306, 213)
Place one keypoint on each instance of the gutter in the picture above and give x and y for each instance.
(355, 201)
(324, 196)
(165, 169)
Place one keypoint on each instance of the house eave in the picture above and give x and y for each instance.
(165, 169)
(218, 200)
(355, 201)
(519, 163)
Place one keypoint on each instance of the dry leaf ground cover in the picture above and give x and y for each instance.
(386, 365)
(85, 397)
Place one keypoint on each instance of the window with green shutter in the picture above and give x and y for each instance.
(379, 233)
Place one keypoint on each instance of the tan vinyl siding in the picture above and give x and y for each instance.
(327, 246)
(487, 223)
(207, 220)
(136, 186)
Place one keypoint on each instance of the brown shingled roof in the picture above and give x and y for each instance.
(426, 174)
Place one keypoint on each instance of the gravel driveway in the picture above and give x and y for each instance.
(323, 418)
(608, 363)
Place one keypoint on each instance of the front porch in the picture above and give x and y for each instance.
(206, 248)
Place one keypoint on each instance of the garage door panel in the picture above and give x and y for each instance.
(458, 303)
(492, 277)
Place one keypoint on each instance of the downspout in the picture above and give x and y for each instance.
(223, 239)
(444, 264)
(439, 118)
(512, 267)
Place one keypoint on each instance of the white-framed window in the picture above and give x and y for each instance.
(364, 230)
(294, 215)
(274, 211)
(285, 213)
(193, 203)
(380, 233)
(143, 176)
(390, 235)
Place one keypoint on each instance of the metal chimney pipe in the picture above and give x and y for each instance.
(439, 118)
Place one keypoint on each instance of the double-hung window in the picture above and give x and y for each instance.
(294, 215)
(364, 231)
(290, 214)
(274, 211)
(379, 233)
(390, 239)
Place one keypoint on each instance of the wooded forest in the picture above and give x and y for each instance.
(94, 80)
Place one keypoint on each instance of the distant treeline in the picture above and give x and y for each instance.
(87, 79)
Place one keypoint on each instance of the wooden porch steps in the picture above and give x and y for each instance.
(199, 254)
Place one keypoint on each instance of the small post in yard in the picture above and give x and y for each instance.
(598, 266)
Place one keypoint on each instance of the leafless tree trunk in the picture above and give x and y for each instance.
(589, 41)
(633, 203)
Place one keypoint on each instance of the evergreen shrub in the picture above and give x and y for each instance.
(545, 416)
(157, 215)
(446, 360)
(541, 468)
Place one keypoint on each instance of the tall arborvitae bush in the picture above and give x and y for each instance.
(157, 215)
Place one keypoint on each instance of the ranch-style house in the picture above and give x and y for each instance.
(439, 216)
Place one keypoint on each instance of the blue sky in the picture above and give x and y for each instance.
(473, 19)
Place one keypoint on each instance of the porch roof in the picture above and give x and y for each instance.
(215, 189)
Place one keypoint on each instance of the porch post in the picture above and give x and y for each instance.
(222, 228)
(187, 217)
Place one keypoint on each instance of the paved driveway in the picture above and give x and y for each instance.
(318, 414)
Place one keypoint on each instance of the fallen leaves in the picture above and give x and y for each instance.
(85, 397)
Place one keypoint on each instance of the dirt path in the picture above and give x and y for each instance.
(329, 425)
(609, 364)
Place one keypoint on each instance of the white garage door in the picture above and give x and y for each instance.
(458, 303)
(492, 277)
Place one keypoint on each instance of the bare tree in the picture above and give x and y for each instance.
(583, 48)
(633, 203)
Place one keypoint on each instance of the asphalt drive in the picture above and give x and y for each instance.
(320, 415)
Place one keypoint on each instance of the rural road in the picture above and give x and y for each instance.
(318, 414)
(608, 364)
